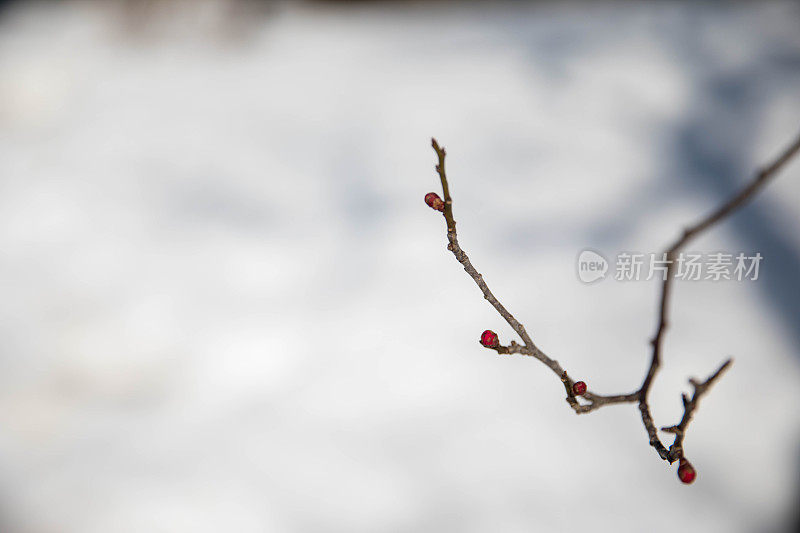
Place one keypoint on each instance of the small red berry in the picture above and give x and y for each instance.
(579, 388)
(686, 472)
(434, 202)
(489, 339)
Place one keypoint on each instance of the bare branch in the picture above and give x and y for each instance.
(462, 257)
(589, 401)
(529, 349)
(689, 406)
(738, 200)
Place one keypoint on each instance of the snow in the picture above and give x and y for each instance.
(225, 305)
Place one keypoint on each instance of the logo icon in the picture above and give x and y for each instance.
(591, 266)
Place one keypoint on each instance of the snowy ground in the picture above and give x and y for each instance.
(224, 306)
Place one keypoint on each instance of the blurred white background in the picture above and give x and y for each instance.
(224, 305)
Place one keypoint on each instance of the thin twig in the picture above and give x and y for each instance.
(689, 406)
(739, 199)
(596, 401)
(530, 349)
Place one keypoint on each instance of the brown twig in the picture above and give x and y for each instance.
(594, 401)
(530, 349)
(761, 178)
(689, 406)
